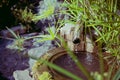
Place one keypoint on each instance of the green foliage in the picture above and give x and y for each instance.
(25, 16)
(103, 18)
(61, 70)
(117, 75)
(98, 76)
(101, 15)
(45, 14)
(50, 36)
(50, 7)
(45, 76)
(19, 41)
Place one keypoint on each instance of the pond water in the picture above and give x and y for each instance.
(90, 62)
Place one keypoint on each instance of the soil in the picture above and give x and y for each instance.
(11, 60)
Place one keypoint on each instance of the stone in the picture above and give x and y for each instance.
(66, 33)
(89, 45)
(36, 52)
(31, 63)
(22, 75)
(70, 34)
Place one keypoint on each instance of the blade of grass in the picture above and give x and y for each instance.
(61, 70)
(13, 33)
(110, 71)
(117, 75)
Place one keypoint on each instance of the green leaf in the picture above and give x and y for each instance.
(45, 14)
(13, 33)
(117, 75)
(45, 76)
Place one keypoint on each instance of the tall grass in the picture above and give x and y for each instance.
(101, 15)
